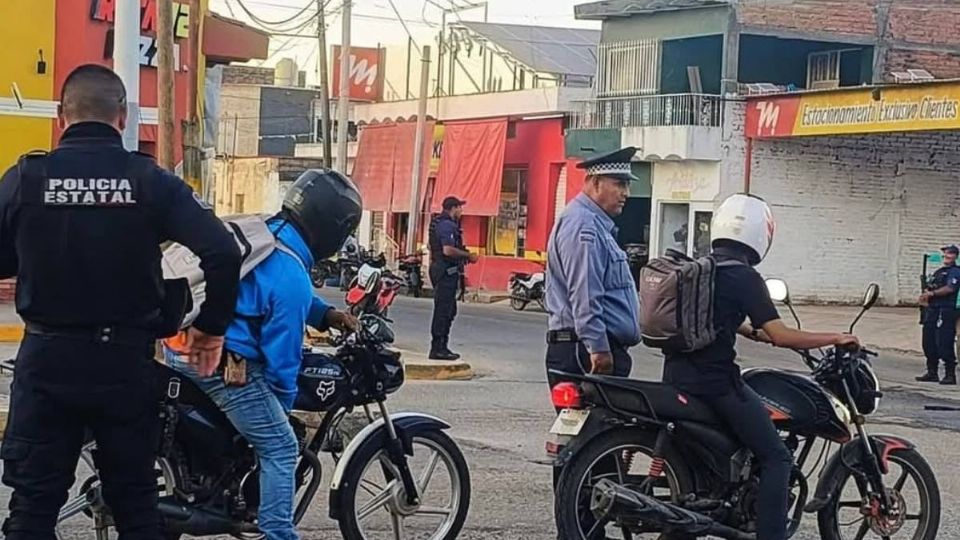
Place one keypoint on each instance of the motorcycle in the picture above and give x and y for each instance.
(411, 268)
(322, 271)
(644, 457)
(372, 291)
(401, 472)
(637, 257)
(525, 288)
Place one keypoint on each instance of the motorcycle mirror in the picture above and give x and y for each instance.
(778, 290)
(870, 298)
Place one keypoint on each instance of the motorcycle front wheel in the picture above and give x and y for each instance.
(853, 512)
(623, 456)
(517, 299)
(374, 504)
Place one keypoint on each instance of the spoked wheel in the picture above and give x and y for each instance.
(625, 458)
(85, 503)
(375, 504)
(517, 301)
(913, 491)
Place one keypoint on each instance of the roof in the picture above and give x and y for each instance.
(625, 8)
(562, 51)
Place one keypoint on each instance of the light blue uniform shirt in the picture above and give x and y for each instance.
(589, 287)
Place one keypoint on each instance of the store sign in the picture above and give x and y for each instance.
(366, 73)
(438, 130)
(105, 10)
(908, 108)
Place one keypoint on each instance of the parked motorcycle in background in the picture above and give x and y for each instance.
(637, 257)
(411, 268)
(372, 291)
(525, 288)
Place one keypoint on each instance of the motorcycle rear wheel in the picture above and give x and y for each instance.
(905, 464)
(573, 491)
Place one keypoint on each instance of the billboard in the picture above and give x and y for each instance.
(881, 110)
(366, 73)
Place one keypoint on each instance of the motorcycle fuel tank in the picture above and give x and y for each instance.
(798, 404)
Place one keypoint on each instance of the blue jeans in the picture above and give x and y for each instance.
(257, 414)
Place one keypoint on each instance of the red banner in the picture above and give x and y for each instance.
(366, 73)
(471, 167)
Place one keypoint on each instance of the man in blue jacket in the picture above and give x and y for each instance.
(275, 302)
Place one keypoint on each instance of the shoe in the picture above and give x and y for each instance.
(443, 355)
(928, 377)
(950, 378)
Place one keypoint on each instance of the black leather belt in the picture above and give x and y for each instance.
(565, 335)
(96, 334)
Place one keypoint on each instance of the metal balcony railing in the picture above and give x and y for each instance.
(648, 111)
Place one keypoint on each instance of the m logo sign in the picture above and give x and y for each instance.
(772, 117)
(365, 75)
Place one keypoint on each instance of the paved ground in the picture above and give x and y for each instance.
(500, 419)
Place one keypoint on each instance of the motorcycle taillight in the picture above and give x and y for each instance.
(566, 395)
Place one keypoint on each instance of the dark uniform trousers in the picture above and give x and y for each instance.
(572, 357)
(445, 288)
(939, 334)
(64, 388)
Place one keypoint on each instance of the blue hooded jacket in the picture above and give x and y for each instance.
(275, 303)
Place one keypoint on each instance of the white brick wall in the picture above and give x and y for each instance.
(856, 209)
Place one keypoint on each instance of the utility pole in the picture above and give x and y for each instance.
(192, 134)
(418, 151)
(324, 86)
(165, 83)
(126, 63)
(344, 102)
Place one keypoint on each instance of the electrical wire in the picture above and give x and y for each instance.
(265, 22)
(404, 24)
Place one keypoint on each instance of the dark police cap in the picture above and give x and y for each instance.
(452, 202)
(611, 165)
(952, 249)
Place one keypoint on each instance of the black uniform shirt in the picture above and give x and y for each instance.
(81, 230)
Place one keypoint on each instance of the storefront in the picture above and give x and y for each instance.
(862, 182)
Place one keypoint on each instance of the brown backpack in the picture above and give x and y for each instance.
(676, 301)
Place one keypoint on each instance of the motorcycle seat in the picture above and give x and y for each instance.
(667, 402)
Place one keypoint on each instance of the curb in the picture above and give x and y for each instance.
(434, 370)
(11, 333)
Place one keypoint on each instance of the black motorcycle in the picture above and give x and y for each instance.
(399, 475)
(642, 457)
(322, 271)
(411, 267)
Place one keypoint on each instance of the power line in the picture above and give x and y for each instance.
(404, 24)
(265, 22)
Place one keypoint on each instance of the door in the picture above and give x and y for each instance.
(685, 227)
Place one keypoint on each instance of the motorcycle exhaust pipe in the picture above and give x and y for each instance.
(181, 519)
(620, 504)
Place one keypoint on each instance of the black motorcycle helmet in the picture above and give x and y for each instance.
(325, 206)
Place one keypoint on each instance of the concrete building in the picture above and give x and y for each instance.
(256, 184)
(672, 79)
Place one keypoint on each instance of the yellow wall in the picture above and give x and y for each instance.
(27, 27)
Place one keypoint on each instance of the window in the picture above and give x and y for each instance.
(676, 220)
(823, 70)
(627, 68)
(506, 231)
(701, 233)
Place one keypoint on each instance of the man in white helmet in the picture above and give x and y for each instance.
(742, 230)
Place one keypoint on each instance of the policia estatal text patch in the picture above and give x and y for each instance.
(88, 192)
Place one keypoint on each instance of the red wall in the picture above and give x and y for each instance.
(493, 273)
(80, 40)
(538, 147)
(575, 179)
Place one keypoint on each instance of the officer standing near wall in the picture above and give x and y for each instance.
(81, 229)
(940, 320)
(590, 292)
(447, 257)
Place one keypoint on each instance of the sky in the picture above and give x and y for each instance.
(374, 22)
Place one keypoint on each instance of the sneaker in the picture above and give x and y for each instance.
(950, 379)
(928, 377)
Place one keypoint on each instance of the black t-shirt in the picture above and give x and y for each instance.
(740, 293)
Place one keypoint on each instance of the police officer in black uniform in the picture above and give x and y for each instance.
(81, 229)
(940, 320)
(447, 257)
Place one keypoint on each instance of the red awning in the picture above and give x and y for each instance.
(373, 168)
(406, 135)
(471, 166)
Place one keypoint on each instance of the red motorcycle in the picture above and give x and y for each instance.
(372, 291)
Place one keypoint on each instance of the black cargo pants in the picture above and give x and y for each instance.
(445, 287)
(63, 387)
(939, 335)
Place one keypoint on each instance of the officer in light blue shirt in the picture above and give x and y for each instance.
(591, 295)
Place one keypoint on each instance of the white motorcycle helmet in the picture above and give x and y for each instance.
(746, 220)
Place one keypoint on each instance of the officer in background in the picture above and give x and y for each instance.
(447, 257)
(81, 229)
(940, 320)
(590, 293)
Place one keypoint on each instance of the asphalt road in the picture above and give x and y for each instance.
(500, 419)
